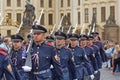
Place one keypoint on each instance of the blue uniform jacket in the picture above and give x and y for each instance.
(66, 60)
(5, 66)
(43, 56)
(102, 52)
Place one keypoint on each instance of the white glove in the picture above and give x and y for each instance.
(75, 79)
(26, 68)
(96, 72)
(92, 76)
(51, 67)
(99, 69)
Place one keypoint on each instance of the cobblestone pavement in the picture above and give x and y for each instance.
(106, 75)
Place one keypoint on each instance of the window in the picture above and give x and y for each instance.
(9, 15)
(61, 3)
(103, 16)
(95, 12)
(69, 16)
(68, 3)
(8, 32)
(19, 17)
(50, 3)
(8, 3)
(78, 17)
(18, 3)
(41, 3)
(78, 2)
(86, 15)
(42, 20)
(50, 19)
(112, 11)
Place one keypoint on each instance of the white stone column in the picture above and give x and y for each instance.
(118, 16)
(56, 12)
(1, 9)
(118, 22)
(74, 14)
(81, 13)
(36, 7)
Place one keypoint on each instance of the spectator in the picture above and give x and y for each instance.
(116, 58)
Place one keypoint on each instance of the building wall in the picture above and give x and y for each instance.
(73, 9)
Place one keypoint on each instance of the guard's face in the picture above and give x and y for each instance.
(95, 38)
(74, 42)
(90, 42)
(38, 37)
(83, 42)
(17, 44)
(60, 42)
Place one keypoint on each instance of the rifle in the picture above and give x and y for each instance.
(93, 24)
(74, 29)
(89, 31)
(82, 29)
(52, 30)
(1, 21)
(59, 26)
(69, 30)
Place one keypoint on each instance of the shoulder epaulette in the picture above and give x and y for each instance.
(96, 46)
(67, 48)
(49, 44)
(90, 46)
(80, 47)
(3, 52)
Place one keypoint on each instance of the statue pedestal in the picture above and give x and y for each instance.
(24, 31)
(111, 32)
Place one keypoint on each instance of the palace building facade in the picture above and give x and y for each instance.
(79, 12)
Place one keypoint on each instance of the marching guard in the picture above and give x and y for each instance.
(43, 56)
(64, 57)
(18, 56)
(6, 65)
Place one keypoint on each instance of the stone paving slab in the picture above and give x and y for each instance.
(106, 75)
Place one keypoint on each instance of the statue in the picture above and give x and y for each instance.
(111, 20)
(66, 24)
(29, 14)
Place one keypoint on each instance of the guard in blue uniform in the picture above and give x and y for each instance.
(92, 54)
(77, 56)
(97, 66)
(50, 40)
(96, 52)
(5, 66)
(100, 45)
(88, 53)
(64, 56)
(18, 56)
(43, 56)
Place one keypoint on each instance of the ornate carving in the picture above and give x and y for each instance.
(7, 21)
